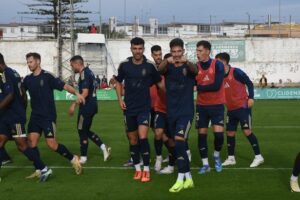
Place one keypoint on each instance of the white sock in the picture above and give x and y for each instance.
(231, 157)
(216, 153)
(146, 168)
(294, 178)
(258, 156)
(103, 147)
(188, 151)
(188, 175)
(180, 177)
(205, 161)
(137, 167)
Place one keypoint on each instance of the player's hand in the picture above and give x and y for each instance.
(80, 99)
(183, 59)
(250, 103)
(72, 109)
(122, 105)
(170, 60)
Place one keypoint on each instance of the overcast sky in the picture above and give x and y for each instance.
(164, 10)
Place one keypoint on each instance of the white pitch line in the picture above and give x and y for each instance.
(130, 168)
(280, 127)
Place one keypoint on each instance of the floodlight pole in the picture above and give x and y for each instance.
(59, 40)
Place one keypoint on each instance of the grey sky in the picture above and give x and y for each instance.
(164, 10)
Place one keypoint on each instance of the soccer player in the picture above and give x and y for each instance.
(239, 103)
(157, 108)
(88, 89)
(210, 104)
(180, 80)
(13, 118)
(138, 74)
(41, 85)
(156, 54)
(294, 178)
(158, 100)
(6, 159)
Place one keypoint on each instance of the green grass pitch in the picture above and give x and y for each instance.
(276, 124)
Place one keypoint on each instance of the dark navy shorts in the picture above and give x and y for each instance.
(12, 129)
(160, 120)
(153, 113)
(180, 126)
(40, 126)
(205, 114)
(132, 122)
(84, 122)
(242, 116)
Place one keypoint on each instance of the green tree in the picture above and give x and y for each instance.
(49, 10)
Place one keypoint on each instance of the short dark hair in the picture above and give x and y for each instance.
(205, 44)
(223, 56)
(168, 55)
(155, 48)
(177, 42)
(34, 55)
(137, 41)
(2, 62)
(76, 58)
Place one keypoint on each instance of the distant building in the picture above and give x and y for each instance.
(26, 31)
(235, 29)
(276, 30)
(18, 31)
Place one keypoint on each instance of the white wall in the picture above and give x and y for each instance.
(14, 54)
(277, 58)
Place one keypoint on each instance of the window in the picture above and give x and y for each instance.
(12, 30)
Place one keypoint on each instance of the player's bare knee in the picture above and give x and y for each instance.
(230, 134)
(133, 139)
(203, 131)
(179, 138)
(2, 141)
(158, 135)
(52, 144)
(21, 144)
(218, 128)
(247, 132)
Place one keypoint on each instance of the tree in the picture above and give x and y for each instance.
(49, 9)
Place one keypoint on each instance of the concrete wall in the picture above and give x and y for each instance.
(276, 58)
(14, 54)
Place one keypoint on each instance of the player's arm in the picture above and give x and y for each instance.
(24, 96)
(192, 67)
(161, 85)
(6, 101)
(70, 89)
(244, 79)
(219, 77)
(119, 86)
(8, 90)
(163, 66)
(119, 89)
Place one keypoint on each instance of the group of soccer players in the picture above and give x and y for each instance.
(161, 96)
(40, 85)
